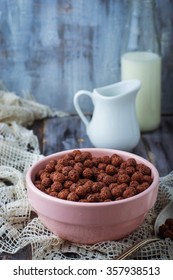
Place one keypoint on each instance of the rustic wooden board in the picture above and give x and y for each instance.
(23, 254)
(57, 134)
(64, 134)
(159, 146)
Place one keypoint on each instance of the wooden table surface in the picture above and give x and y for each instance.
(57, 134)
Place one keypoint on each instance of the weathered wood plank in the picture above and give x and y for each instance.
(58, 134)
(63, 134)
(159, 146)
(23, 254)
(37, 128)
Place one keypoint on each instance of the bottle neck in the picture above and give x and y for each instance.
(141, 33)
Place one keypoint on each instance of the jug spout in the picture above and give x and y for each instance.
(127, 87)
(133, 85)
(118, 90)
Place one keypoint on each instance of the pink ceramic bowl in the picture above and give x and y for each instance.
(90, 223)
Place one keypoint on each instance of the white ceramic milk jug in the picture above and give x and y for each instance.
(114, 123)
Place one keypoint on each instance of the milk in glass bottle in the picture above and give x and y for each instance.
(141, 60)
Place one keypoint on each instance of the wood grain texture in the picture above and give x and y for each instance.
(24, 253)
(58, 134)
(53, 48)
(64, 134)
(159, 146)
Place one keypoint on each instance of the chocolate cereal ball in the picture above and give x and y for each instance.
(57, 176)
(101, 176)
(106, 159)
(87, 173)
(148, 179)
(95, 197)
(145, 170)
(75, 153)
(55, 194)
(67, 184)
(130, 170)
(108, 180)
(102, 166)
(118, 190)
(134, 184)
(44, 174)
(129, 192)
(46, 182)
(66, 169)
(79, 167)
(97, 186)
(88, 163)
(116, 160)
(142, 187)
(105, 193)
(123, 178)
(40, 186)
(73, 175)
(50, 167)
(56, 186)
(166, 229)
(63, 194)
(72, 196)
(59, 167)
(137, 176)
(81, 191)
(110, 169)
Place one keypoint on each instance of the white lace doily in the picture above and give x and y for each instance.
(18, 150)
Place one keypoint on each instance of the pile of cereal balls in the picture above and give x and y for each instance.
(79, 176)
(166, 229)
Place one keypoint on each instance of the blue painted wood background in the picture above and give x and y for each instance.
(52, 48)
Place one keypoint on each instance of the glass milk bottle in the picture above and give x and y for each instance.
(141, 60)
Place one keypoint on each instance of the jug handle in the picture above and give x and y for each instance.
(77, 106)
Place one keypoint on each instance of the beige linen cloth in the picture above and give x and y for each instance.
(18, 150)
(23, 111)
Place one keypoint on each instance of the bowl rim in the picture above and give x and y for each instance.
(30, 184)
